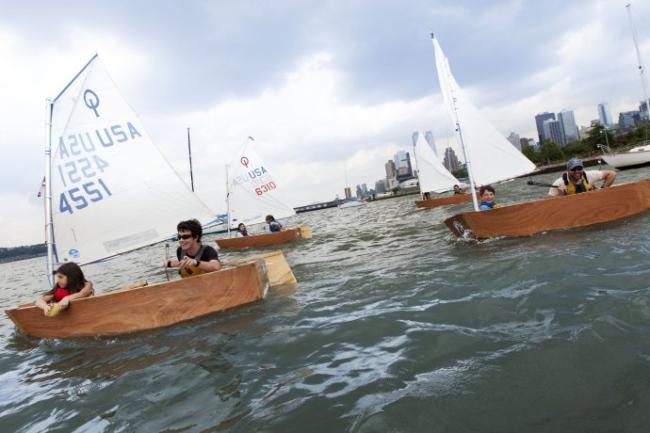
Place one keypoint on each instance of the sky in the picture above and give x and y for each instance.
(324, 87)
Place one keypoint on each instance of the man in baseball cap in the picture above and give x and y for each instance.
(575, 180)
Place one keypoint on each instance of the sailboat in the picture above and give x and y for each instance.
(108, 190)
(640, 154)
(491, 158)
(434, 177)
(251, 195)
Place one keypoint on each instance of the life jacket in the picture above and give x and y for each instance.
(491, 205)
(192, 270)
(275, 226)
(572, 188)
(60, 293)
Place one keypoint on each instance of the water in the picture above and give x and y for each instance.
(394, 327)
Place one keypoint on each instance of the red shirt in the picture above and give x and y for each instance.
(60, 293)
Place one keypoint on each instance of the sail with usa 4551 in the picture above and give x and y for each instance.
(110, 189)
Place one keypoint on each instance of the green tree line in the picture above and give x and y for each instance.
(23, 252)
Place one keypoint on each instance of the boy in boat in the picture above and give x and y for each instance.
(192, 257)
(241, 230)
(575, 180)
(487, 195)
(274, 226)
(458, 190)
(70, 284)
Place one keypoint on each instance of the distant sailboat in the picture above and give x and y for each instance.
(639, 154)
(434, 177)
(113, 192)
(251, 195)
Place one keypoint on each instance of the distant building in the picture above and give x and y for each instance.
(391, 171)
(403, 165)
(604, 115)
(643, 110)
(628, 120)
(539, 121)
(364, 189)
(568, 126)
(380, 186)
(552, 130)
(348, 193)
(359, 192)
(451, 161)
(515, 140)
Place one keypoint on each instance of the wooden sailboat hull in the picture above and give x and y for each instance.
(266, 239)
(278, 270)
(147, 307)
(562, 212)
(443, 201)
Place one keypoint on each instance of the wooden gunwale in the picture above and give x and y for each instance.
(147, 307)
(555, 213)
(443, 201)
(261, 240)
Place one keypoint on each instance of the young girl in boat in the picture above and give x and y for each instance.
(70, 284)
(241, 230)
(487, 195)
(274, 226)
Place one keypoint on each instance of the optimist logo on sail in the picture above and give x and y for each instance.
(91, 100)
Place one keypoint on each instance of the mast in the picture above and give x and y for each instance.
(468, 163)
(228, 199)
(414, 138)
(49, 237)
(628, 6)
(189, 151)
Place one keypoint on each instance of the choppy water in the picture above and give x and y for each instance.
(394, 327)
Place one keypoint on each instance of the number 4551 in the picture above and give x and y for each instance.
(80, 197)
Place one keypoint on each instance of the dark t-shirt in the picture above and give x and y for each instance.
(209, 253)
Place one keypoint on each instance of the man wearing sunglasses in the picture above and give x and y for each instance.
(575, 180)
(192, 257)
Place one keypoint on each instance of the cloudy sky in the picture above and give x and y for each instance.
(321, 85)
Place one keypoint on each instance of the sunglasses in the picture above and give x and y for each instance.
(184, 237)
(576, 169)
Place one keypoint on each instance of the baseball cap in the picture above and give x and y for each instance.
(573, 163)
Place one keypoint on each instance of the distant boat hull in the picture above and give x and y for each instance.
(266, 239)
(352, 203)
(147, 307)
(443, 201)
(634, 158)
(563, 212)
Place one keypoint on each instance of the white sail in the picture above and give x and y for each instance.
(432, 174)
(112, 190)
(252, 189)
(492, 156)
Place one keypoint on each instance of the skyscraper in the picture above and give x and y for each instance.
(539, 121)
(553, 131)
(568, 125)
(451, 160)
(604, 115)
(403, 165)
(391, 171)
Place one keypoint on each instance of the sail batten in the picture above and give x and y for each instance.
(492, 156)
(112, 189)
